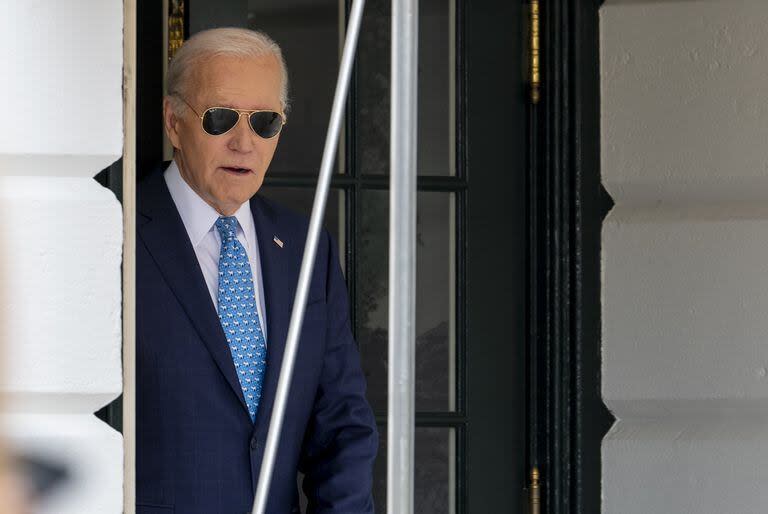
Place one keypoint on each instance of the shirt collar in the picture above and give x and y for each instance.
(198, 216)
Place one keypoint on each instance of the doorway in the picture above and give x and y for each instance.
(471, 414)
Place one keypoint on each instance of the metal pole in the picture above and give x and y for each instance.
(402, 257)
(310, 249)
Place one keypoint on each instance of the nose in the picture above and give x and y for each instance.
(241, 136)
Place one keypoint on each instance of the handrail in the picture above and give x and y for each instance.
(307, 264)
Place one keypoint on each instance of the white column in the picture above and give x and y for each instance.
(61, 240)
(685, 256)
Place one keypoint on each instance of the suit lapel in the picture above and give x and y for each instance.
(279, 270)
(166, 239)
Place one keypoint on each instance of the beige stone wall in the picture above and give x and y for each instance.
(685, 256)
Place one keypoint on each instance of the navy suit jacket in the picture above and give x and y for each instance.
(197, 451)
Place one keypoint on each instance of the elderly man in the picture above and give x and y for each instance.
(217, 269)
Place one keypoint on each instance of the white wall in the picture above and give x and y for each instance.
(61, 240)
(685, 256)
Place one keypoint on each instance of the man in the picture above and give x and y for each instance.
(217, 269)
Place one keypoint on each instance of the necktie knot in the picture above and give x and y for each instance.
(227, 227)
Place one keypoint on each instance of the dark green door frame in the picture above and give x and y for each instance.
(567, 416)
(495, 158)
(494, 153)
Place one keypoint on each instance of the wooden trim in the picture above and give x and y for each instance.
(129, 256)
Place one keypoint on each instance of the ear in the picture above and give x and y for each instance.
(171, 123)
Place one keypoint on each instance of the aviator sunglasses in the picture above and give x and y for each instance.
(220, 120)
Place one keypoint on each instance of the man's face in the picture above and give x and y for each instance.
(212, 165)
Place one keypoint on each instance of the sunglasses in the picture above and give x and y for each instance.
(220, 120)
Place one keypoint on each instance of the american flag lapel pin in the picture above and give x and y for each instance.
(277, 241)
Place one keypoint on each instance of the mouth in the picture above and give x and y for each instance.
(236, 170)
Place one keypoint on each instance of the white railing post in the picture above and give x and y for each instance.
(402, 257)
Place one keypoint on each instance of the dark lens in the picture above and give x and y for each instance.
(219, 120)
(266, 123)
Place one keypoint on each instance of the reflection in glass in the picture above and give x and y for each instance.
(434, 473)
(436, 109)
(308, 33)
(435, 274)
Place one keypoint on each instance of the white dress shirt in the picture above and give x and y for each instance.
(199, 219)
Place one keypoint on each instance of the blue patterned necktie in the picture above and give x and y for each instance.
(238, 314)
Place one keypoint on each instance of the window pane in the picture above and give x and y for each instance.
(300, 199)
(434, 475)
(436, 109)
(308, 33)
(435, 293)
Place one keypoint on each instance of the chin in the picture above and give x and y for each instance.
(236, 200)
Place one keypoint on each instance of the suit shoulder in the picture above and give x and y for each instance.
(151, 192)
(151, 183)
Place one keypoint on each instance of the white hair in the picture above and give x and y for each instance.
(231, 42)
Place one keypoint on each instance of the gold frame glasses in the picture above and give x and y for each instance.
(240, 113)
